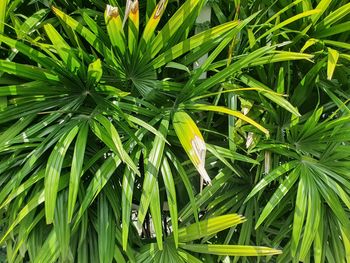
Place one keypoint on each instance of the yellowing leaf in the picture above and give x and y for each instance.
(192, 141)
(333, 56)
(127, 11)
(251, 38)
(231, 250)
(209, 227)
(94, 72)
(220, 109)
(115, 28)
(133, 25)
(3, 5)
(110, 90)
(309, 43)
(153, 21)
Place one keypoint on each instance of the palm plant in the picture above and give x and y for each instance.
(301, 214)
(107, 128)
(74, 122)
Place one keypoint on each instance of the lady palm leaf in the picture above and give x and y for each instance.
(53, 169)
(192, 141)
(104, 128)
(115, 28)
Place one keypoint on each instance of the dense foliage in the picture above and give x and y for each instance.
(116, 145)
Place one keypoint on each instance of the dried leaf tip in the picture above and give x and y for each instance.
(128, 8)
(199, 148)
(131, 6)
(160, 8)
(112, 11)
(135, 7)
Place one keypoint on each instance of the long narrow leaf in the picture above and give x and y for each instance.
(53, 170)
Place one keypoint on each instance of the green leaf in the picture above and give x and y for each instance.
(178, 66)
(156, 214)
(192, 43)
(299, 215)
(90, 37)
(310, 42)
(62, 228)
(31, 89)
(273, 175)
(49, 252)
(228, 71)
(282, 190)
(27, 71)
(304, 88)
(322, 6)
(251, 38)
(231, 250)
(33, 54)
(127, 195)
(30, 162)
(53, 171)
(23, 187)
(145, 125)
(31, 22)
(278, 14)
(27, 225)
(99, 180)
(14, 130)
(334, 16)
(188, 257)
(221, 158)
(110, 136)
(110, 90)
(312, 219)
(184, 177)
(227, 153)
(333, 202)
(337, 44)
(36, 199)
(227, 38)
(334, 30)
(279, 100)
(76, 168)
(3, 102)
(319, 242)
(346, 242)
(95, 27)
(288, 21)
(171, 197)
(209, 227)
(152, 169)
(105, 231)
